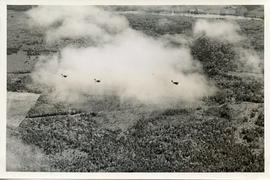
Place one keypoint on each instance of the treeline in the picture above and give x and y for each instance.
(218, 59)
(20, 7)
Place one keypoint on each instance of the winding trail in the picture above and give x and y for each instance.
(208, 16)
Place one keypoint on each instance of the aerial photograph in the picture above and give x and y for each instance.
(135, 88)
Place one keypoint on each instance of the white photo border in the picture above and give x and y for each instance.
(55, 175)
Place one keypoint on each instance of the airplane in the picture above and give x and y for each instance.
(63, 75)
(97, 80)
(175, 82)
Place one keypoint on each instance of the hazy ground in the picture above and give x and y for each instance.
(222, 132)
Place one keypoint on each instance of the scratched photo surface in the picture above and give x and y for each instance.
(135, 88)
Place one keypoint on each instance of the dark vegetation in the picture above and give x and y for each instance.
(195, 139)
(219, 58)
(238, 90)
(21, 82)
(12, 50)
(260, 120)
(77, 144)
(19, 7)
(17, 82)
(254, 31)
(254, 11)
(154, 25)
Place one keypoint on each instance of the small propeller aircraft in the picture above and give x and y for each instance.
(175, 82)
(97, 80)
(64, 76)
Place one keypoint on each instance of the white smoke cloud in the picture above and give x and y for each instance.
(23, 157)
(77, 22)
(221, 30)
(129, 64)
(177, 40)
(250, 60)
(229, 31)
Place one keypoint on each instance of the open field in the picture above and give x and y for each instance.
(223, 132)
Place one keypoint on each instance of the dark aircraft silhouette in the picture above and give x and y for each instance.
(63, 75)
(175, 82)
(97, 80)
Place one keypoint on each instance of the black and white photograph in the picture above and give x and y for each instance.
(135, 88)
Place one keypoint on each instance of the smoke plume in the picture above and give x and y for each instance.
(230, 32)
(250, 60)
(22, 157)
(73, 22)
(221, 30)
(126, 62)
